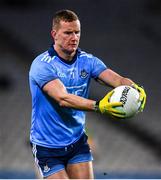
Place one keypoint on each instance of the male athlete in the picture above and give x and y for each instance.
(59, 83)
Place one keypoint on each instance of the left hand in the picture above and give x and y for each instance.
(142, 97)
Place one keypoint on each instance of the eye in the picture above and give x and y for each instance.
(77, 32)
(71, 32)
(67, 32)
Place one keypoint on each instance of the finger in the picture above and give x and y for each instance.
(141, 97)
(142, 105)
(107, 97)
(118, 115)
(116, 104)
(117, 111)
(142, 94)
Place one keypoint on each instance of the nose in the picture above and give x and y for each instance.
(74, 35)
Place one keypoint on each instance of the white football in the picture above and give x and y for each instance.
(129, 97)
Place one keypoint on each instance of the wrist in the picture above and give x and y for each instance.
(96, 106)
(133, 85)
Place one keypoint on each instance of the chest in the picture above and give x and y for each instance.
(73, 75)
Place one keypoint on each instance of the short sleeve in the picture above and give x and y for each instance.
(42, 73)
(97, 67)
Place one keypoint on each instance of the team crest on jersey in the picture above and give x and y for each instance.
(84, 74)
(46, 168)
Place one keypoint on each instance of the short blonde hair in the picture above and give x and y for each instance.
(63, 15)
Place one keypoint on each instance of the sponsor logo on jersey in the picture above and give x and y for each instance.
(83, 74)
(61, 75)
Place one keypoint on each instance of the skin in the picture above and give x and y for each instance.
(75, 171)
(66, 38)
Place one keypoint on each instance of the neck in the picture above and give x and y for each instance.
(64, 54)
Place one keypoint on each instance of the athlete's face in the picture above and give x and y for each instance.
(67, 36)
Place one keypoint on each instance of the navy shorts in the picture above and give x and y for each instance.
(52, 160)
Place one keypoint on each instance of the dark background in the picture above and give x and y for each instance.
(126, 35)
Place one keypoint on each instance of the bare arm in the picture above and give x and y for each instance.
(113, 79)
(57, 91)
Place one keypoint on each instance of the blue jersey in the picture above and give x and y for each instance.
(54, 126)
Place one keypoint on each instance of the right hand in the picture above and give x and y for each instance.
(107, 107)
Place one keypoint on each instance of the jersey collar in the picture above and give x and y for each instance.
(52, 53)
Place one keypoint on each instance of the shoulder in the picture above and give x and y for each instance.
(84, 54)
(89, 57)
(41, 63)
(43, 59)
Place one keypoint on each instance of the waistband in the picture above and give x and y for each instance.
(82, 139)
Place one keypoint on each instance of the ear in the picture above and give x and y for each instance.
(53, 34)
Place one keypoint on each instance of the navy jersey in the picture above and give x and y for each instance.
(54, 126)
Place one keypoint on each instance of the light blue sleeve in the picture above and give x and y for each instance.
(42, 72)
(97, 67)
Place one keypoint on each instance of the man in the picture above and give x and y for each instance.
(59, 83)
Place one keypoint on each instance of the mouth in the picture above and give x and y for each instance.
(73, 45)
